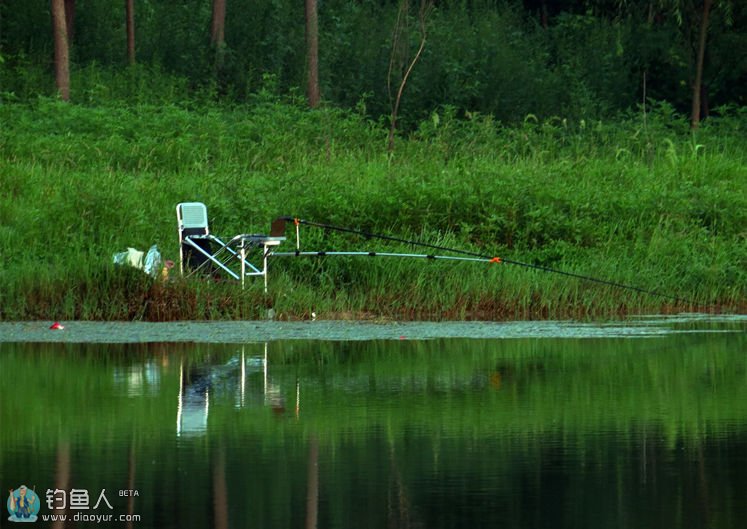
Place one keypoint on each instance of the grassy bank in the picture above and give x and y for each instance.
(638, 201)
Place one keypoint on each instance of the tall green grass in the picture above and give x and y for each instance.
(641, 202)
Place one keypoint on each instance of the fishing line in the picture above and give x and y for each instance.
(480, 256)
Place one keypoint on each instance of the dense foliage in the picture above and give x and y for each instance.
(569, 59)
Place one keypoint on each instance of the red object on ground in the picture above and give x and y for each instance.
(57, 326)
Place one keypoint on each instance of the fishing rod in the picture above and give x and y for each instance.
(279, 225)
(379, 254)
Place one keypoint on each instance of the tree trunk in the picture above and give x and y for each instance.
(61, 52)
(130, 15)
(697, 85)
(544, 15)
(70, 20)
(218, 26)
(312, 53)
(705, 107)
(400, 32)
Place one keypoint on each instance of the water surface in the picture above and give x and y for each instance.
(637, 424)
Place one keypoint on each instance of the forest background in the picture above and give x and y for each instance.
(573, 59)
(603, 137)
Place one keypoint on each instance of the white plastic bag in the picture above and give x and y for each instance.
(150, 263)
(153, 262)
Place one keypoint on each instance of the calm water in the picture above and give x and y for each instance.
(590, 429)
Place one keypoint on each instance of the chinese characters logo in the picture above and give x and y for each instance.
(78, 499)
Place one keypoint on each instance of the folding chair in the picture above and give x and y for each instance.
(201, 251)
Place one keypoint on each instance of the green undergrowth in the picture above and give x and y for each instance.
(640, 202)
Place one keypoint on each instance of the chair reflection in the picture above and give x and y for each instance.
(194, 403)
(198, 382)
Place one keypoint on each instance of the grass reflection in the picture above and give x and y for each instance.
(443, 433)
(688, 386)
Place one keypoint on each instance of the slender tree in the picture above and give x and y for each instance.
(61, 52)
(699, 14)
(698, 83)
(70, 20)
(312, 53)
(218, 25)
(130, 16)
(689, 14)
(398, 57)
(218, 36)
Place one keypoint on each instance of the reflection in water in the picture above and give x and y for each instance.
(312, 488)
(131, 484)
(139, 379)
(220, 491)
(62, 480)
(401, 511)
(250, 365)
(193, 403)
(535, 434)
(198, 380)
